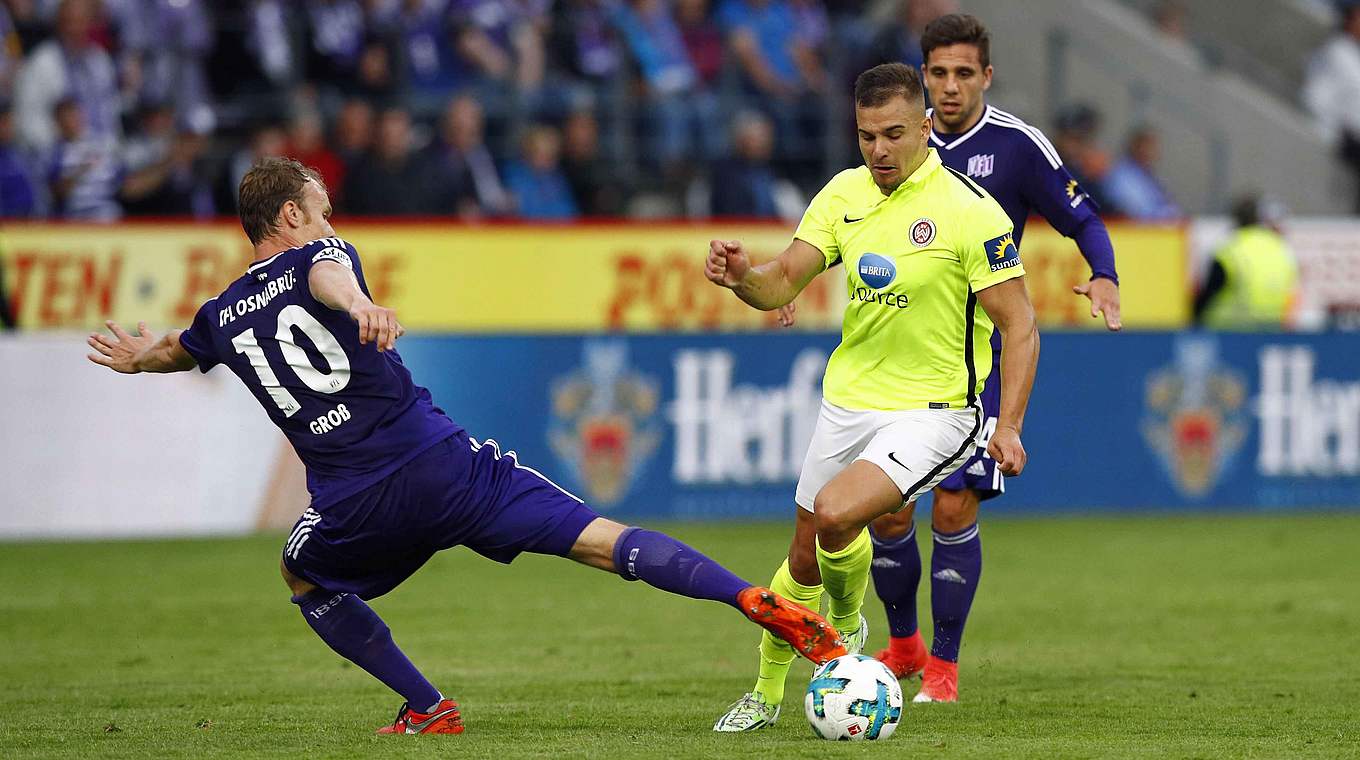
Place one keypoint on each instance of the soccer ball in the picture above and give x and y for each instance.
(853, 697)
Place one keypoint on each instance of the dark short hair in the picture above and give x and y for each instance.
(885, 81)
(269, 184)
(957, 29)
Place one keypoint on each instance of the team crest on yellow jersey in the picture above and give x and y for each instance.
(923, 232)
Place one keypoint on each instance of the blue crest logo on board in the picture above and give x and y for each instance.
(1194, 415)
(604, 425)
(876, 271)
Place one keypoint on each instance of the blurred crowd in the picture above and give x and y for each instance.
(529, 109)
(537, 109)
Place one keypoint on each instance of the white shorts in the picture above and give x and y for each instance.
(917, 448)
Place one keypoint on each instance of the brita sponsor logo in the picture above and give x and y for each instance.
(876, 271)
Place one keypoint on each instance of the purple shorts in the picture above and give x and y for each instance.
(459, 492)
(979, 473)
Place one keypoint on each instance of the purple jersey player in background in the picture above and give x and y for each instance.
(1018, 166)
(392, 479)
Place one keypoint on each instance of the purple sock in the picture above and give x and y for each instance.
(955, 569)
(356, 633)
(663, 562)
(897, 575)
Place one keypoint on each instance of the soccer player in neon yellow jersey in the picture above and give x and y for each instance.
(931, 267)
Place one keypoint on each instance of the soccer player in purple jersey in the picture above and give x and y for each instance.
(1017, 165)
(392, 479)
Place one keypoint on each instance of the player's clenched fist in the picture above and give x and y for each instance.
(727, 263)
(1006, 449)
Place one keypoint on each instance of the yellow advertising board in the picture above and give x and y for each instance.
(634, 277)
(1151, 259)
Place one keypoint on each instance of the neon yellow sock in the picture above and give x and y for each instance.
(845, 574)
(775, 654)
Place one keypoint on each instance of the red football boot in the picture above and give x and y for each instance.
(445, 719)
(905, 656)
(806, 631)
(940, 682)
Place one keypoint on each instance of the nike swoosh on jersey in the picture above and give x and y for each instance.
(848, 220)
(891, 455)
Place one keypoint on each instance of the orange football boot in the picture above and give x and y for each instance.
(905, 656)
(444, 719)
(804, 630)
(939, 682)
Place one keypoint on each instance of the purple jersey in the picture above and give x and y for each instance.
(1024, 173)
(353, 414)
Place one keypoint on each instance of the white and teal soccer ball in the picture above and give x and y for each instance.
(852, 698)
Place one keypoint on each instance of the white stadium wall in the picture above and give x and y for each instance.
(85, 452)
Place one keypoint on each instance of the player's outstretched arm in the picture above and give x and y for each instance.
(143, 352)
(334, 285)
(1007, 303)
(770, 285)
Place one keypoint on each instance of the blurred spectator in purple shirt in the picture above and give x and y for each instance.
(586, 43)
(269, 41)
(427, 41)
(181, 37)
(84, 172)
(18, 191)
(335, 40)
(69, 66)
(503, 40)
(162, 46)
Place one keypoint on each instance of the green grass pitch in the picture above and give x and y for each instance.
(1158, 637)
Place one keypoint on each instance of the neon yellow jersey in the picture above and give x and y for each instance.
(914, 335)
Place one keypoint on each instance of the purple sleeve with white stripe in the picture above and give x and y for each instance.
(1052, 191)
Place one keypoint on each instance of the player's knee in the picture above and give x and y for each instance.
(297, 586)
(953, 510)
(835, 518)
(893, 526)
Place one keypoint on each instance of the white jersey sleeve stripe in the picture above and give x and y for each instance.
(1033, 130)
(1002, 119)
